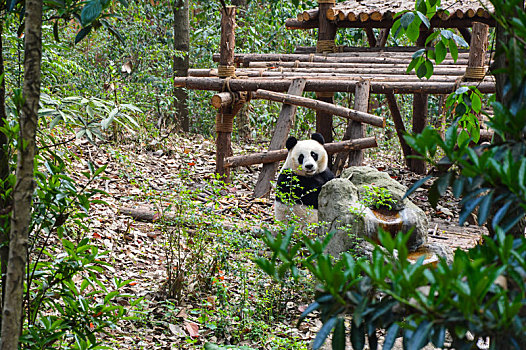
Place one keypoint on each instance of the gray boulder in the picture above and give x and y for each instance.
(347, 205)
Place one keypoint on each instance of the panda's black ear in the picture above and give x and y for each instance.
(318, 137)
(291, 142)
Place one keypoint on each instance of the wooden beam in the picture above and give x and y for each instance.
(328, 108)
(399, 124)
(224, 136)
(342, 85)
(279, 137)
(222, 99)
(355, 130)
(326, 32)
(436, 22)
(384, 58)
(276, 156)
(477, 55)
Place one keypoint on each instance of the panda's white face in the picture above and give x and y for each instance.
(307, 158)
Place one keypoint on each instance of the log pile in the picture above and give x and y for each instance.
(375, 14)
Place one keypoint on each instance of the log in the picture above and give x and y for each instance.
(371, 38)
(245, 59)
(281, 132)
(276, 156)
(310, 15)
(224, 138)
(376, 75)
(334, 85)
(328, 108)
(355, 130)
(477, 53)
(327, 31)
(228, 38)
(222, 99)
(399, 125)
(385, 22)
(367, 68)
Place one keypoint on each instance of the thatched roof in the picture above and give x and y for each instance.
(357, 13)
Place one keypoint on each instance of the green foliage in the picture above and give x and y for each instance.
(410, 22)
(414, 301)
(490, 179)
(376, 197)
(81, 310)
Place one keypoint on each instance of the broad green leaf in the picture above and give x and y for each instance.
(441, 52)
(416, 185)
(476, 102)
(420, 336)
(484, 208)
(324, 332)
(429, 69)
(423, 18)
(338, 337)
(82, 34)
(407, 19)
(421, 71)
(392, 334)
(357, 336)
(90, 12)
(453, 49)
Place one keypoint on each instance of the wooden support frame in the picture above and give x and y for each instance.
(281, 132)
(355, 130)
(328, 108)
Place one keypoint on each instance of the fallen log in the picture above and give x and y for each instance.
(321, 106)
(276, 156)
(327, 85)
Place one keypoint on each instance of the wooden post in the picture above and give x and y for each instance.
(399, 124)
(326, 31)
(354, 129)
(281, 132)
(419, 113)
(476, 68)
(225, 116)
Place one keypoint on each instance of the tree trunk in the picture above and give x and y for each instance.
(4, 173)
(181, 63)
(23, 191)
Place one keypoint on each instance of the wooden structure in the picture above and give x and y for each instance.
(327, 68)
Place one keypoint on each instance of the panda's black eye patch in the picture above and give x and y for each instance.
(300, 159)
(314, 156)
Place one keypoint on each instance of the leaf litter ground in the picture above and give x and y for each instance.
(227, 300)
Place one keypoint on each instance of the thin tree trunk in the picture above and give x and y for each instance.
(181, 63)
(23, 191)
(4, 173)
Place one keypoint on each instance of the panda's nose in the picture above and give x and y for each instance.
(309, 166)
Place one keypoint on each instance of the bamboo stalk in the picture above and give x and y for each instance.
(321, 106)
(276, 156)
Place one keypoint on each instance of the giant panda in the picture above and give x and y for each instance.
(299, 183)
